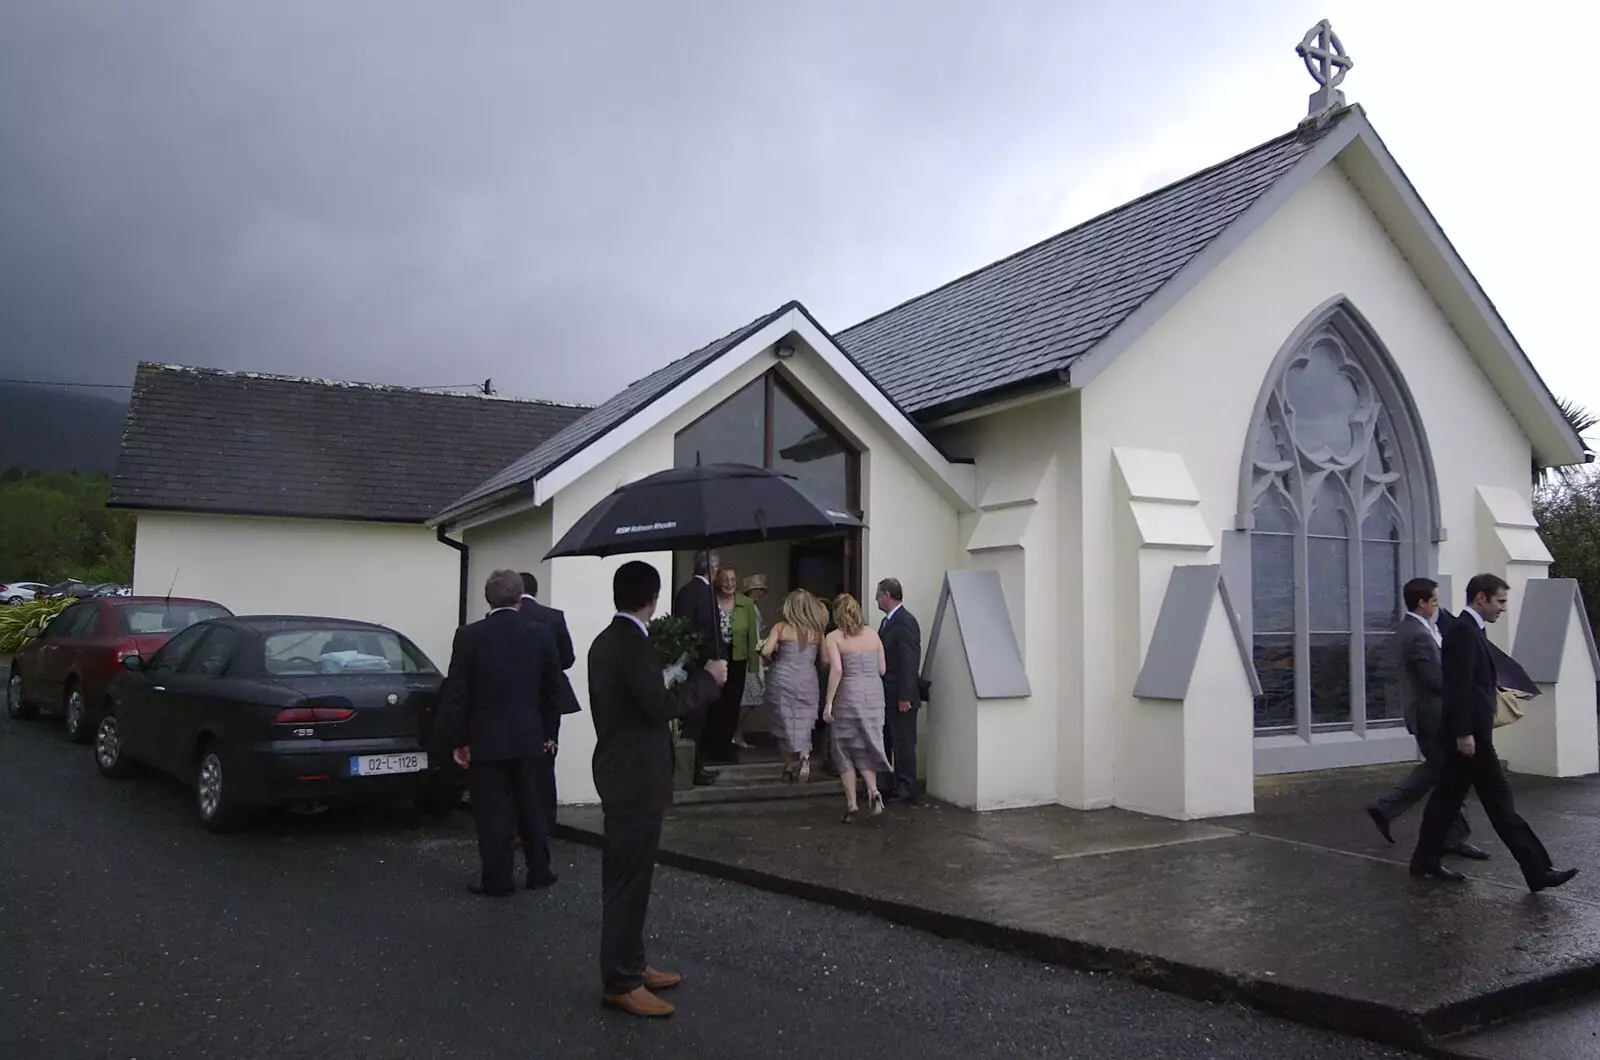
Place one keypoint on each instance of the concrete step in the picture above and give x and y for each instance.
(1569, 1031)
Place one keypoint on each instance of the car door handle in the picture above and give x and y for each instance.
(158, 688)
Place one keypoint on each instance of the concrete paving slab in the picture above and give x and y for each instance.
(1565, 1032)
(1299, 909)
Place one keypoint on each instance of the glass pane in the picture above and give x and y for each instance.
(1324, 400)
(1330, 513)
(1328, 564)
(1330, 678)
(1380, 585)
(1273, 513)
(732, 433)
(803, 448)
(1274, 659)
(1272, 583)
(1383, 695)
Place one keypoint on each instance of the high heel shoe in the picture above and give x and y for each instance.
(788, 774)
(849, 816)
(874, 803)
(805, 771)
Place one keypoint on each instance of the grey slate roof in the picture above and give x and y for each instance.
(202, 440)
(576, 436)
(1033, 313)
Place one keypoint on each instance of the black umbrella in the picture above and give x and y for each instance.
(702, 507)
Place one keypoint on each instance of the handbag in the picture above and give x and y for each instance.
(755, 690)
(1508, 707)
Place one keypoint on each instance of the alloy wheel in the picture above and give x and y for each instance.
(108, 744)
(75, 717)
(210, 784)
(14, 705)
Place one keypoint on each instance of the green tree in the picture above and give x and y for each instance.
(1583, 421)
(56, 525)
(1569, 522)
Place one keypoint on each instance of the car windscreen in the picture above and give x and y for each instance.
(159, 616)
(334, 650)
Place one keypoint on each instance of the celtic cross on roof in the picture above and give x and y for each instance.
(1327, 62)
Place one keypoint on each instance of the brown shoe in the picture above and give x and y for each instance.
(638, 1002)
(656, 979)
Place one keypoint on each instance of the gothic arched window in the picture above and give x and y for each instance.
(1338, 498)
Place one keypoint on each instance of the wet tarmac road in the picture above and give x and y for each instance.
(127, 932)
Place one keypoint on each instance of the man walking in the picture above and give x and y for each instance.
(556, 623)
(902, 695)
(696, 601)
(1466, 741)
(504, 697)
(633, 766)
(1415, 647)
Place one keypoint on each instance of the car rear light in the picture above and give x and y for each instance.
(308, 715)
(125, 649)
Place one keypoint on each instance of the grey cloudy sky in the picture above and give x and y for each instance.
(566, 196)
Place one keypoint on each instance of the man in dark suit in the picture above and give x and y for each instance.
(504, 699)
(633, 765)
(556, 623)
(696, 601)
(902, 691)
(1415, 647)
(1467, 746)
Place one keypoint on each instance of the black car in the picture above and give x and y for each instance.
(281, 711)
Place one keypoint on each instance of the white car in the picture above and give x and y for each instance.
(20, 592)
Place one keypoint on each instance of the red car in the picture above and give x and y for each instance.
(68, 666)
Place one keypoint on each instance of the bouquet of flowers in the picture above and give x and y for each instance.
(675, 642)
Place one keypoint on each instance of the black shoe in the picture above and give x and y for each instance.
(535, 883)
(491, 892)
(1551, 878)
(1381, 821)
(704, 778)
(1467, 850)
(1439, 874)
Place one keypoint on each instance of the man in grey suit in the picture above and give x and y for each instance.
(1417, 657)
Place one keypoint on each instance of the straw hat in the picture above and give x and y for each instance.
(756, 581)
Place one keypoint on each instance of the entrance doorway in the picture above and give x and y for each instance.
(770, 423)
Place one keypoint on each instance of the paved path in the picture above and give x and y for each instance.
(1300, 909)
(127, 932)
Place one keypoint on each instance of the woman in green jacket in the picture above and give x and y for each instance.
(741, 646)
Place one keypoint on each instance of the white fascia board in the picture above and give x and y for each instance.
(957, 483)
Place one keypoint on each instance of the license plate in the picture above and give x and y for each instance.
(382, 765)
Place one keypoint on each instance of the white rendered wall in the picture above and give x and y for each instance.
(517, 542)
(1190, 383)
(393, 574)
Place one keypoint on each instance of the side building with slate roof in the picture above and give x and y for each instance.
(1277, 369)
(275, 494)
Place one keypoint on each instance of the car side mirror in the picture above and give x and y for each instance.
(31, 633)
(134, 663)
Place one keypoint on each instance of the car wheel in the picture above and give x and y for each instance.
(15, 601)
(16, 706)
(219, 809)
(77, 715)
(108, 750)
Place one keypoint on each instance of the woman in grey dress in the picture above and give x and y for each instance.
(854, 707)
(791, 651)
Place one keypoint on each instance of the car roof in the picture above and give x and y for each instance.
(271, 623)
(123, 601)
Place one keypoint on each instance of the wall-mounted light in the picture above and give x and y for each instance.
(783, 351)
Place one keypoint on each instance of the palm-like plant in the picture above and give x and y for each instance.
(1582, 421)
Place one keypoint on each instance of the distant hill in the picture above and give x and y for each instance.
(44, 429)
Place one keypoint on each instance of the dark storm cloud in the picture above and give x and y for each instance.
(559, 196)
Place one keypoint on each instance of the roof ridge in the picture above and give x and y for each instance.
(1299, 132)
(345, 384)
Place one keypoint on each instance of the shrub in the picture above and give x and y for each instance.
(14, 621)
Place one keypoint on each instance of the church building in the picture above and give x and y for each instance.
(1152, 485)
